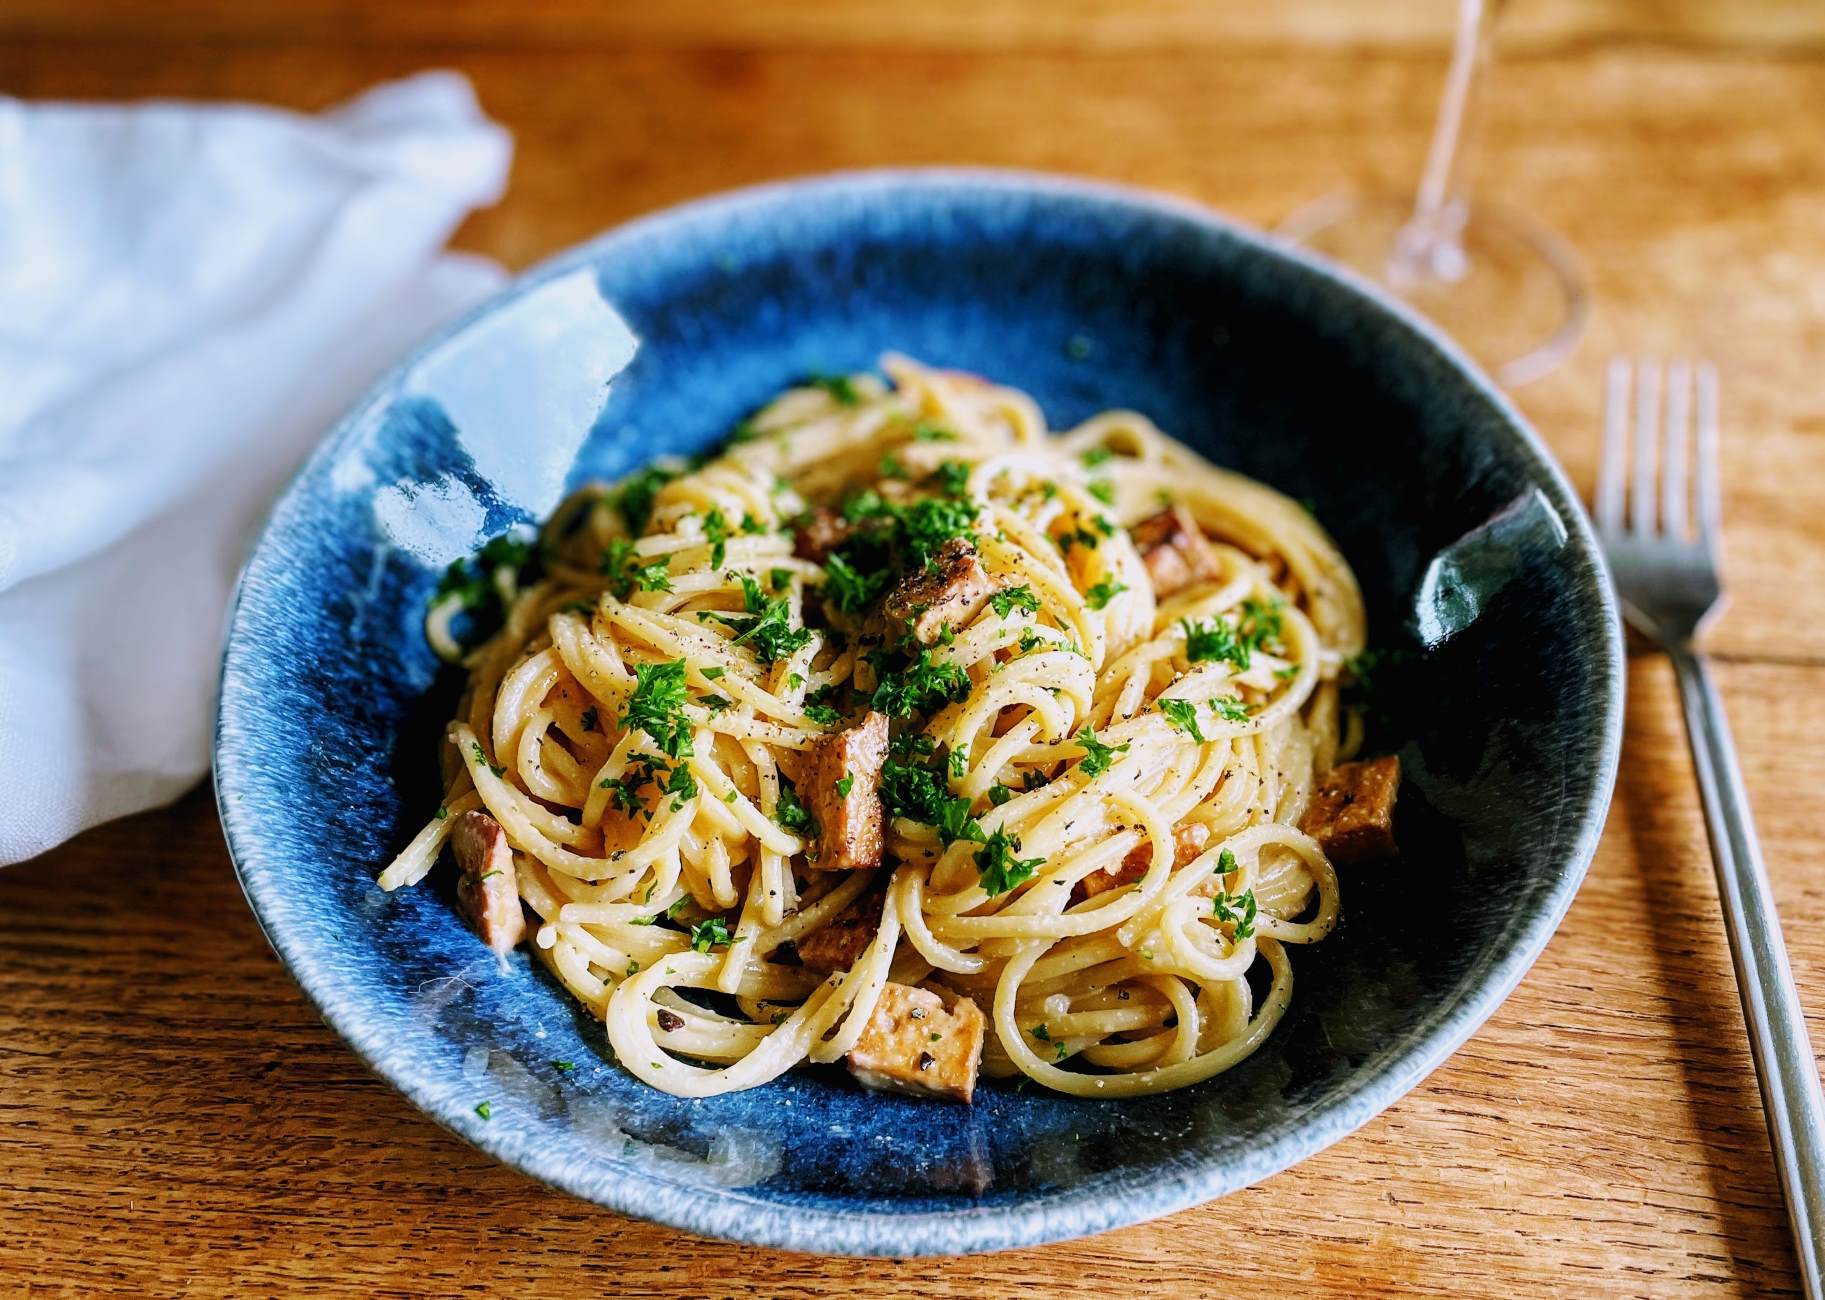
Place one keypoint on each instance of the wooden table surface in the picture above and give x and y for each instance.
(174, 1117)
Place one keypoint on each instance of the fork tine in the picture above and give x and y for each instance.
(1610, 472)
(1647, 442)
(1673, 450)
(1710, 492)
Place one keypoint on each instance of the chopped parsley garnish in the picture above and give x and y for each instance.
(1043, 1034)
(1229, 708)
(1240, 908)
(484, 1109)
(1030, 641)
(1361, 667)
(588, 720)
(634, 498)
(823, 714)
(793, 815)
(1009, 599)
(624, 791)
(714, 673)
(952, 477)
(481, 759)
(563, 1067)
(1103, 592)
(1215, 640)
(472, 581)
(657, 707)
(924, 526)
(1098, 757)
(840, 387)
(1260, 625)
(892, 466)
(1183, 714)
(714, 703)
(997, 866)
(921, 687)
(912, 532)
(682, 784)
(716, 529)
(666, 915)
(844, 784)
(625, 571)
(999, 794)
(767, 629)
(849, 590)
(1097, 456)
(918, 791)
(1076, 537)
(1103, 490)
(924, 432)
(710, 933)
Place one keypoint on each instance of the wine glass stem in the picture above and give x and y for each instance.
(1430, 244)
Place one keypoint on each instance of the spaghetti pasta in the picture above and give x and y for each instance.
(1090, 791)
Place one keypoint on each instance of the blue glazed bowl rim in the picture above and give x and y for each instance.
(1054, 1216)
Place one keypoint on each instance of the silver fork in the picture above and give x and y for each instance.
(1664, 558)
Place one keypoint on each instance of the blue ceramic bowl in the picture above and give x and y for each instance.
(658, 337)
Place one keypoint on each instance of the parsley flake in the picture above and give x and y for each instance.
(710, 933)
(1098, 757)
(1183, 715)
(1103, 592)
(657, 707)
(997, 866)
(1009, 599)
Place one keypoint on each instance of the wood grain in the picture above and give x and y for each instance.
(173, 1117)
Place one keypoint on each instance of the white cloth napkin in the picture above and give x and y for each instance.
(189, 295)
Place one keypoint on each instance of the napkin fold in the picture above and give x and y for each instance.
(193, 293)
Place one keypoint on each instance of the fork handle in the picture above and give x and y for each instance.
(1784, 1063)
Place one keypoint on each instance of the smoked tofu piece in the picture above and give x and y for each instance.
(912, 1044)
(843, 789)
(842, 939)
(1188, 841)
(951, 593)
(818, 532)
(1352, 811)
(1175, 551)
(487, 891)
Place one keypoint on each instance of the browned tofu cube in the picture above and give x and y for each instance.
(487, 891)
(843, 789)
(818, 532)
(1352, 811)
(842, 939)
(913, 1045)
(1175, 551)
(1188, 841)
(950, 590)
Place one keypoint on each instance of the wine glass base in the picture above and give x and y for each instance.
(1508, 290)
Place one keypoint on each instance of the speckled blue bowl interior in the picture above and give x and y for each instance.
(660, 336)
